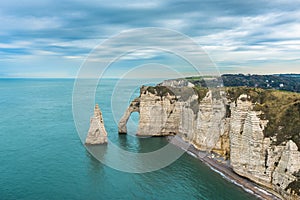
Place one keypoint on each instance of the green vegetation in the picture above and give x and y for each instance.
(201, 92)
(159, 90)
(198, 81)
(281, 108)
(256, 95)
(287, 82)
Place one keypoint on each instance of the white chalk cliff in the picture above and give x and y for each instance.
(97, 133)
(215, 123)
(254, 156)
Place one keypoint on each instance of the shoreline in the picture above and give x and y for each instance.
(223, 168)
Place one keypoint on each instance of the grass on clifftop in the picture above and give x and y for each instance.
(200, 91)
(159, 90)
(281, 108)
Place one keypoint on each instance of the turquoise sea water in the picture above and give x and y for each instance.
(41, 156)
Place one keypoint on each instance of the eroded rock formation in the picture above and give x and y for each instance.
(256, 157)
(133, 107)
(232, 126)
(178, 111)
(97, 133)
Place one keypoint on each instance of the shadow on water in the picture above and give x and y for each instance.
(98, 151)
(129, 143)
(141, 145)
(94, 165)
(95, 154)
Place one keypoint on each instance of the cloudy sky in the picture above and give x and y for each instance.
(49, 38)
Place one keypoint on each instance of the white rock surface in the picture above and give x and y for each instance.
(97, 133)
(177, 83)
(255, 157)
(133, 107)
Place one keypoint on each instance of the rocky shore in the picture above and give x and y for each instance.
(223, 168)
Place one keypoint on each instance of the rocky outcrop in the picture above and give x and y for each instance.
(231, 126)
(285, 172)
(255, 156)
(248, 148)
(97, 133)
(133, 107)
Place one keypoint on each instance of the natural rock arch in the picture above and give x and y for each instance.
(133, 107)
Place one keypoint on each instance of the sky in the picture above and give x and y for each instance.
(49, 38)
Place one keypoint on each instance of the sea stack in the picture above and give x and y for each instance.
(97, 133)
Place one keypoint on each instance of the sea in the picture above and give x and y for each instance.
(42, 155)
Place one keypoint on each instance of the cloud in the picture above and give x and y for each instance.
(234, 33)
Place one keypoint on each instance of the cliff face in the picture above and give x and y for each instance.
(157, 114)
(230, 125)
(212, 127)
(179, 111)
(255, 156)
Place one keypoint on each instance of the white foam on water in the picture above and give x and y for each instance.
(192, 154)
(263, 191)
